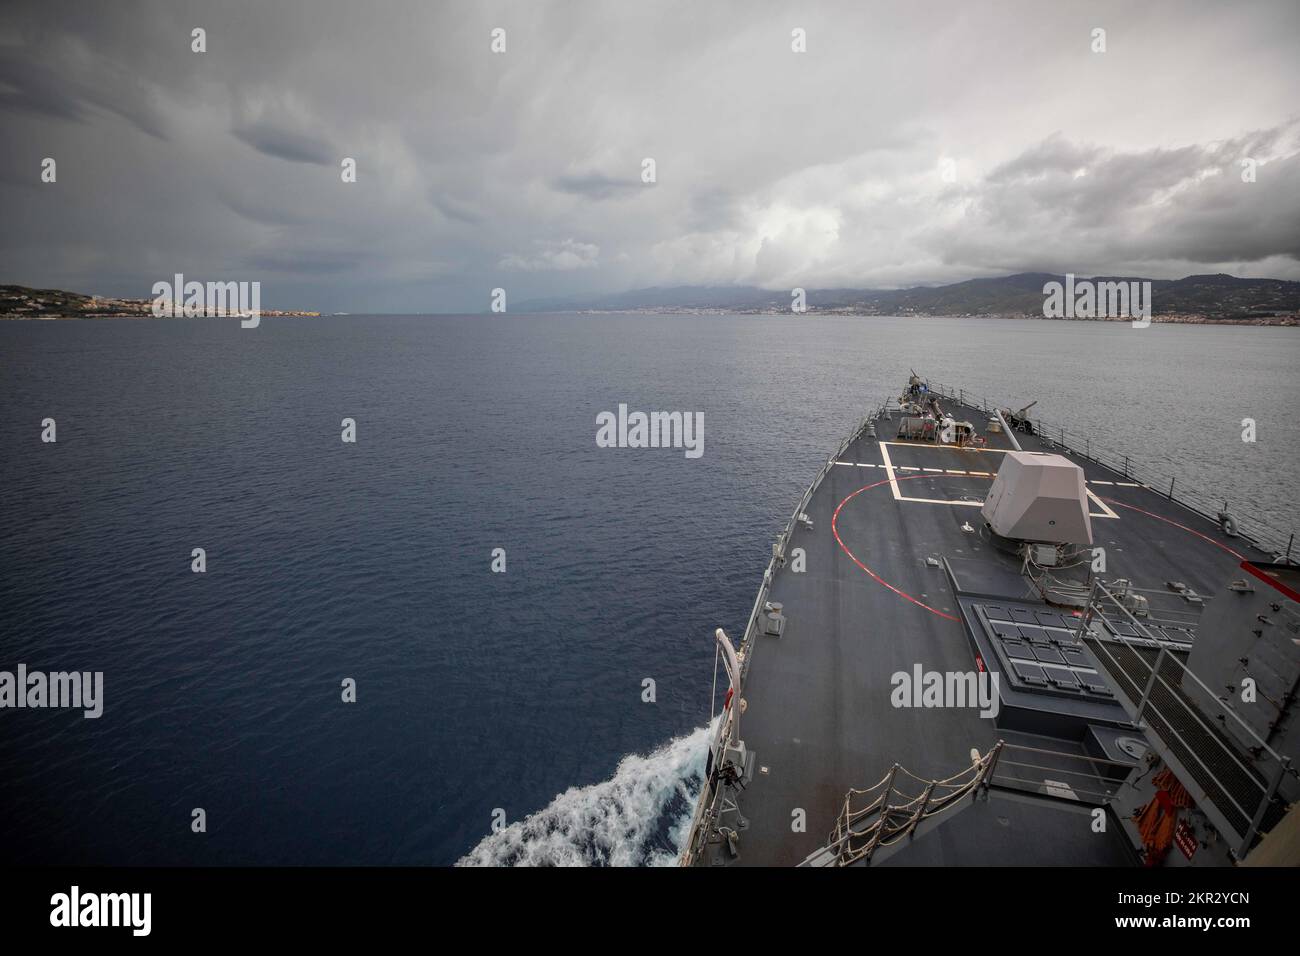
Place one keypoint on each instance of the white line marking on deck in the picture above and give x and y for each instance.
(1107, 513)
(889, 470)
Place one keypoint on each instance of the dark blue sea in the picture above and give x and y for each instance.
(516, 694)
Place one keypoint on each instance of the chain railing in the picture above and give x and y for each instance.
(707, 808)
(1250, 527)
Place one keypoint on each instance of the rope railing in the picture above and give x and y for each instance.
(893, 812)
(859, 833)
(1256, 530)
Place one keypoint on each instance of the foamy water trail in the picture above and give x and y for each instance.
(638, 817)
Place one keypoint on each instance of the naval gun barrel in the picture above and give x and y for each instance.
(1006, 430)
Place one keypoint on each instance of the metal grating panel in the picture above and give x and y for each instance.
(1206, 753)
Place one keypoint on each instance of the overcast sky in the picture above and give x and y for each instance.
(523, 169)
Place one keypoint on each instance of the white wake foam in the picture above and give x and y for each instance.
(638, 817)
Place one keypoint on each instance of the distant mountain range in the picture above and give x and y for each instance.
(1205, 297)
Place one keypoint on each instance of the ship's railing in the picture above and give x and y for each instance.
(1186, 735)
(1251, 527)
(1088, 779)
(1163, 607)
(890, 814)
(707, 809)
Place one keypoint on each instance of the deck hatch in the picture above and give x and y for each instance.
(1030, 673)
(1075, 657)
(1062, 677)
(1047, 654)
(1039, 652)
(1017, 650)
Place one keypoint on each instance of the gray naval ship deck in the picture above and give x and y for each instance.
(886, 569)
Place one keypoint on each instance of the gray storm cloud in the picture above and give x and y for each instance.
(276, 141)
(910, 144)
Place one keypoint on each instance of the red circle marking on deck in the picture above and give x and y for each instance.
(876, 577)
(903, 594)
(1204, 537)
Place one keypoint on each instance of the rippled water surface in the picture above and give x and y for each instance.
(477, 692)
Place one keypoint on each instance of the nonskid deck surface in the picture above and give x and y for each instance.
(819, 717)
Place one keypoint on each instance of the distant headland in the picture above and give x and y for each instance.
(20, 302)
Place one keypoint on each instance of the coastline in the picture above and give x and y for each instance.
(13, 317)
(1281, 321)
